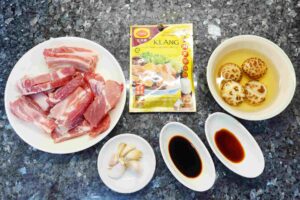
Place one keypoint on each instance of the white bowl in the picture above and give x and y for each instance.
(253, 163)
(283, 65)
(128, 182)
(33, 63)
(207, 177)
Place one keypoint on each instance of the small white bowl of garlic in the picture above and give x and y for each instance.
(126, 163)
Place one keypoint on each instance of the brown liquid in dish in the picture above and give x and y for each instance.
(229, 145)
(185, 156)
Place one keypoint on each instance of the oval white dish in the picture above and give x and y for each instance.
(207, 177)
(253, 163)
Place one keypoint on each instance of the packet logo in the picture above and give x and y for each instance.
(141, 33)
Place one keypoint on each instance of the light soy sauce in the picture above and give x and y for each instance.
(229, 145)
(185, 157)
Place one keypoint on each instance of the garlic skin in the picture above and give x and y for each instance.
(117, 171)
(133, 155)
(135, 166)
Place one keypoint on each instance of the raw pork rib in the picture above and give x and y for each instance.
(44, 82)
(68, 112)
(96, 82)
(96, 111)
(82, 129)
(107, 95)
(82, 59)
(112, 92)
(26, 109)
(103, 126)
(66, 90)
(42, 100)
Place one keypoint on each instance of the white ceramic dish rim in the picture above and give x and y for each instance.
(148, 146)
(95, 140)
(219, 154)
(173, 170)
(228, 108)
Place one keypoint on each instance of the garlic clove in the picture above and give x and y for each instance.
(135, 166)
(117, 171)
(127, 149)
(113, 160)
(133, 155)
(121, 147)
(122, 161)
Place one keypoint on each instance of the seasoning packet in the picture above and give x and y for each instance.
(161, 68)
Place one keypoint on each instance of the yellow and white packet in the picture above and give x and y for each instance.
(161, 68)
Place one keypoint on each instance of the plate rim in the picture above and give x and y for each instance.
(81, 148)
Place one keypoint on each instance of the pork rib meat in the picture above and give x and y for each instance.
(64, 91)
(26, 109)
(67, 112)
(82, 129)
(42, 100)
(107, 94)
(96, 82)
(32, 85)
(82, 59)
(102, 126)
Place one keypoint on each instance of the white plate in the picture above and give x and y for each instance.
(253, 163)
(207, 177)
(129, 182)
(32, 63)
(282, 63)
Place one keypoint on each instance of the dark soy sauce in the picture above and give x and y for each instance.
(185, 156)
(229, 145)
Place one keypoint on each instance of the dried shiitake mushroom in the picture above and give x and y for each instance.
(231, 71)
(233, 93)
(254, 67)
(256, 92)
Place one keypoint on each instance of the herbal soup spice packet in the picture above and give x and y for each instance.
(161, 68)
